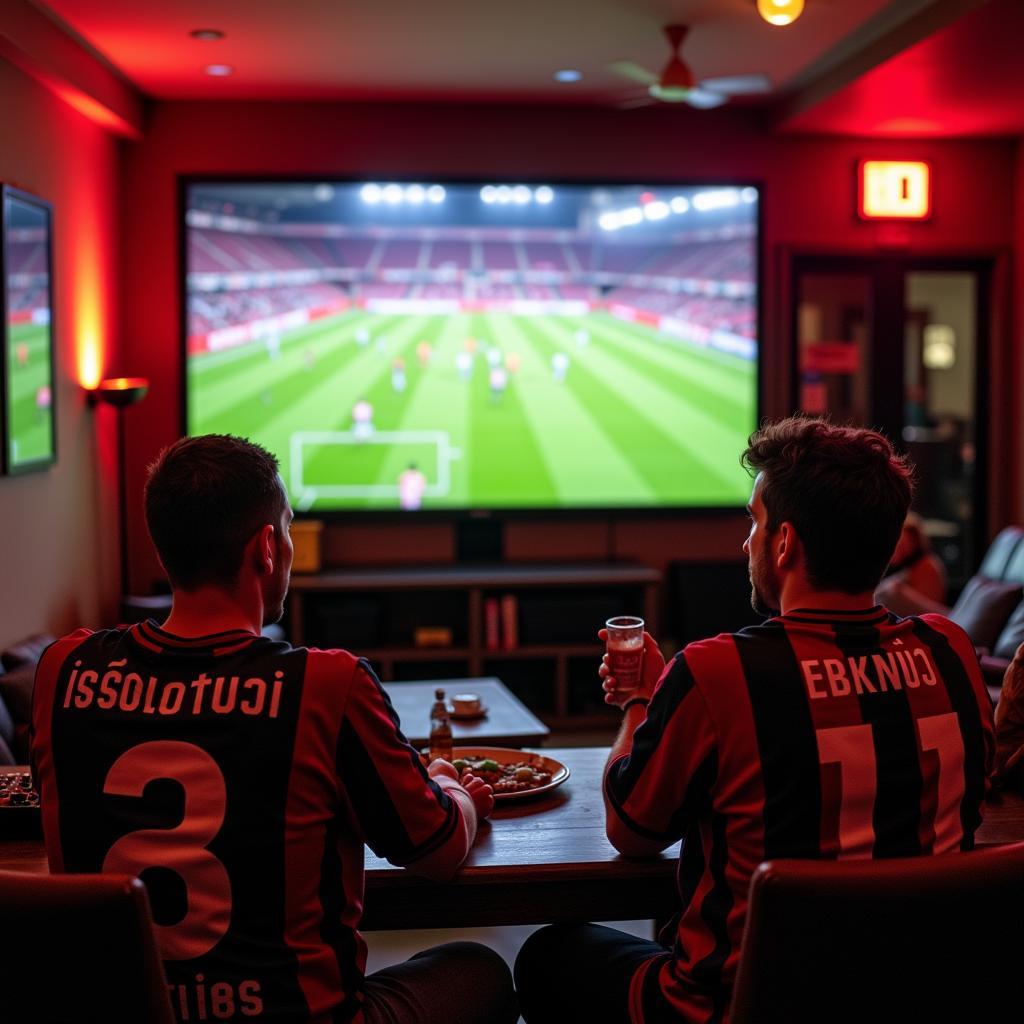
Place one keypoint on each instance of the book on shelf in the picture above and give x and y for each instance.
(509, 622)
(492, 625)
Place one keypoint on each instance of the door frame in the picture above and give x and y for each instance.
(887, 273)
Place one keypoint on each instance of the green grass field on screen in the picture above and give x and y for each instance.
(639, 420)
(29, 422)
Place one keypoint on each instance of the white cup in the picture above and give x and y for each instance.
(466, 703)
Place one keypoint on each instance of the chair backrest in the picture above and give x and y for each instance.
(1000, 554)
(79, 948)
(908, 939)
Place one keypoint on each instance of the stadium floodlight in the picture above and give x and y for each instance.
(323, 193)
(656, 210)
(489, 194)
(749, 195)
(415, 194)
(544, 195)
(716, 199)
(679, 204)
(393, 194)
(370, 193)
(504, 194)
(521, 195)
(609, 221)
(631, 215)
(436, 194)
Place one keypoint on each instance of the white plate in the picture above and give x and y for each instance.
(508, 755)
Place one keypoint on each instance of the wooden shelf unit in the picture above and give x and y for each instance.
(559, 610)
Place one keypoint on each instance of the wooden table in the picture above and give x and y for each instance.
(546, 859)
(542, 860)
(508, 723)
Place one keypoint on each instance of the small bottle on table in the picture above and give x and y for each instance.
(440, 728)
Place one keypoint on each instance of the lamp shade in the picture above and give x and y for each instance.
(120, 391)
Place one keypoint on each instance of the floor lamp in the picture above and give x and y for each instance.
(120, 392)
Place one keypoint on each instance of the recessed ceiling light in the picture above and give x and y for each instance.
(219, 70)
(568, 75)
(206, 33)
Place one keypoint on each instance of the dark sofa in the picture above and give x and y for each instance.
(990, 608)
(17, 676)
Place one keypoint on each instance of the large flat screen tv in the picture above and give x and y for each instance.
(478, 345)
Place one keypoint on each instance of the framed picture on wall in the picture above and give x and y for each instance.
(27, 364)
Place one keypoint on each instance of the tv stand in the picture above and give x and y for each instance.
(533, 626)
(479, 539)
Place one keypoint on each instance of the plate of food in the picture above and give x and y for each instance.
(514, 774)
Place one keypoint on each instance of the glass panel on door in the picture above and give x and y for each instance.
(939, 433)
(833, 324)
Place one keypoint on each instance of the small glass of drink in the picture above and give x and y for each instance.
(625, 645)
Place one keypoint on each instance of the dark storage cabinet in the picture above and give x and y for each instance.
(533, 626)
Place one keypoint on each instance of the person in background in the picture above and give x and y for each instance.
(1010, 725)
(241, 777)
(834, 729)
(915, 580)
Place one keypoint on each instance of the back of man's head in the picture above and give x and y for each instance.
(205, 499)
(845, 491)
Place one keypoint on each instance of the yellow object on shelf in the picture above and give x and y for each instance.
(306, 542)
(432, 636)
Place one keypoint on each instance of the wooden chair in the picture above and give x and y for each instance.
(910, 939)
(79, 948)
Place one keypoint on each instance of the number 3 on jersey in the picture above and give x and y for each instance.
(852, 747)
(182, 849)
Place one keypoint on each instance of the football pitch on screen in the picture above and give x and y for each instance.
(493, 409)
(30, 433)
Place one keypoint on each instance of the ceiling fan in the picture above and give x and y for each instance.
(676, 83)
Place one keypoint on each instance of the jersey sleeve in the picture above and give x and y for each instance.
(401, 813)
(664, 781)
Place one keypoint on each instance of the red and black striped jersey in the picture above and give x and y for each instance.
(819, 734)
(239, 777)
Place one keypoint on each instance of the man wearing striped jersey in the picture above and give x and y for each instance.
(835, 729)
(241, 777)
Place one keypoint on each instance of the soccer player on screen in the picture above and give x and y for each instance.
(559, 367)
(249, 774)
(362, 419)
(398, 380)
(498, 380)
(412, 482)
(835, 729)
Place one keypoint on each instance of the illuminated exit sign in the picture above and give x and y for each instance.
(894, 189)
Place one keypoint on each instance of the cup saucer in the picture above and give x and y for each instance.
(469, 716)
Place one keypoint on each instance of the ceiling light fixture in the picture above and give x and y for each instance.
(780, 12)
(568, 75)
(206, 34)
(219, 70)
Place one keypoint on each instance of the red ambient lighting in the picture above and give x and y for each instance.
(894, 190)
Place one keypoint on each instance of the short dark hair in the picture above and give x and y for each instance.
(205, 498)
(845, 490)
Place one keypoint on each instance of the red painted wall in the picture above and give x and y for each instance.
(809, 204)
(58, 542)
